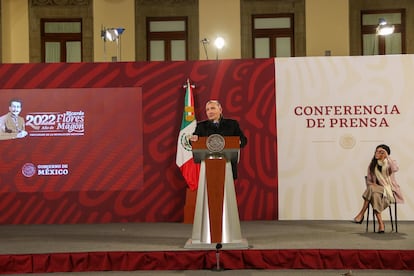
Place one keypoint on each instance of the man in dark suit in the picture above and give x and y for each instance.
(217, 124)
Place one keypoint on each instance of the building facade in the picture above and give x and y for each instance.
(71, 31)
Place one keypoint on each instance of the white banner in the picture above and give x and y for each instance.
(331, 114)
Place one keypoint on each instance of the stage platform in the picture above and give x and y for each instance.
(273, 246)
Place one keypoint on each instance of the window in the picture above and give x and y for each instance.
(373, 44)
(167, 38)
(273, 35)
(61, 40)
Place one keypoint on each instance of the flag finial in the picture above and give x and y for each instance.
(188, 84)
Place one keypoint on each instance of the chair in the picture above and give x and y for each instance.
(389, 208)
(392, 222)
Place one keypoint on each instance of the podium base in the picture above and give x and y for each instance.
(190, 244)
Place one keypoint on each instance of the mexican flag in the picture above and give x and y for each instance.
(184, 159)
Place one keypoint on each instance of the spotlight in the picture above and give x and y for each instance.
(205, 41)
(384, 28)
(112, 34)
(219, 43)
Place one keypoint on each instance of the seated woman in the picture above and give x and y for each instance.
(382, 188)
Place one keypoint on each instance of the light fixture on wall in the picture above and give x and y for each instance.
(219, 43)
(384, 28)
(113, 35)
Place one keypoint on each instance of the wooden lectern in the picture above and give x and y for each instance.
(216, 217)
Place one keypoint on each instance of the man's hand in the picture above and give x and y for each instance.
(21, 134)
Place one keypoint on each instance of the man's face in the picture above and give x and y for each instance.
(213, 111)
(15, 108)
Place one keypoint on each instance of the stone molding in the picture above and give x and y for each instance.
(60, 2)
(165, 2)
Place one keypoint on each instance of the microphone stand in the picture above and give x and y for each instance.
(218, 268)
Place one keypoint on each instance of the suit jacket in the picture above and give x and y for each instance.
(226, 127)
(10, 128)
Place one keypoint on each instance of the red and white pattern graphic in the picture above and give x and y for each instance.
(246, 89)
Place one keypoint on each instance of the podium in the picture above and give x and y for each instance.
(216, 217)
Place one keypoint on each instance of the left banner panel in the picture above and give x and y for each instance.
(75, 139)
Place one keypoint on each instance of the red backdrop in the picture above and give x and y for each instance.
(154, 190)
